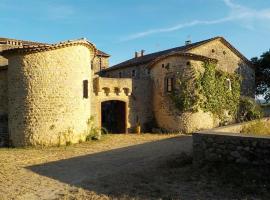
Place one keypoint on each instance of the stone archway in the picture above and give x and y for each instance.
(113, 116)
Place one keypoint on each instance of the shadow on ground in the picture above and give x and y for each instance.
(144, 171)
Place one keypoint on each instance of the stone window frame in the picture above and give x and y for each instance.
(169, 83)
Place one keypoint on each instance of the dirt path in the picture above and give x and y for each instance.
(94, 170)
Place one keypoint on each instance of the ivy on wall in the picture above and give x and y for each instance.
(214, 91)
(221, 91)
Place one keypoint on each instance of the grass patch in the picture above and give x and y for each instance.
(257, 128)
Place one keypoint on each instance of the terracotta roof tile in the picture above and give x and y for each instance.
(101, 53)
(190, 55)
(150, 57)
(47, 47)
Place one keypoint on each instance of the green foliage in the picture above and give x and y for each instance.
(218, 97)
(258, 127)
(209, 91)
(249, 109)
(104, 131)
(93, 132)
(186, 96)
(262, 72)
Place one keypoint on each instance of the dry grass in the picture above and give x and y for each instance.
(258, 127)
(17, 182)
(152, 177)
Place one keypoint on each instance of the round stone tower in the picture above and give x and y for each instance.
(49, 93)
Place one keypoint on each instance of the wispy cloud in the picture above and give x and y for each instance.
(237, 13)
(59, 12)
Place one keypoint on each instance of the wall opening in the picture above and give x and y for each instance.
(85, 89)
(113, 116)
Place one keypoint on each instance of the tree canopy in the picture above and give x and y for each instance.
(262, 72)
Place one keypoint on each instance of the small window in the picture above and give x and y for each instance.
(229, 84)
(148, 71)
(120, 74)
(169, 84)
(188, 63)
(85, 89)
(100, 64)
(224, 52)
(213, 50)
(133, 73)
(162, 65)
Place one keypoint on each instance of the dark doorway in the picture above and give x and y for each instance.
(113, 116)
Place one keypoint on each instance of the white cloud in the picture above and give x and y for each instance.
(237, 13)
(58, 12)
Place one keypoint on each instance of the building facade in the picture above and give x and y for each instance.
(51, 93)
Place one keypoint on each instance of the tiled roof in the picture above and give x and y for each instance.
(47, 47)
(101, 53)
(190, 55)
(150, 57)
(31, 43)
(22, 42)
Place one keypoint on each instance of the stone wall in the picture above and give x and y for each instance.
(4, 61)
(229, 147)
(3, 106)
(100, 63)
(166, 115)
(3, 91)
(141, 98)
(135, 72)
(142, 104)
(107, 89)
(135, 93)
(229, 62)
(46, 101)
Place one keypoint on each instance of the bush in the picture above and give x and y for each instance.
(258, 128)
(93, 132)
(248, 110)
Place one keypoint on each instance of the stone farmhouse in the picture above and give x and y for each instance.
(51, 92)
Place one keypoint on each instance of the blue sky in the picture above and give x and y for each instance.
(120, 27)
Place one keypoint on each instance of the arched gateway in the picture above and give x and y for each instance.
(113, 116)
(111, 104)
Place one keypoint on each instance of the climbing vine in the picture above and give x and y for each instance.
(221, 91)
(213, 90)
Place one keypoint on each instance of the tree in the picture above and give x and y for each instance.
(262, 74)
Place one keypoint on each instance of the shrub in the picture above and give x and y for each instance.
(104, 131)
(93, 132)
(257, 128)
(248, 109)
(209, 91)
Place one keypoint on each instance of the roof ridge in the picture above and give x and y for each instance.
(19, 40)
(148, 57)
(46, 47)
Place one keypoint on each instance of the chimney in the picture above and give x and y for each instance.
(187, 42)
(136, 54)
(142, 52)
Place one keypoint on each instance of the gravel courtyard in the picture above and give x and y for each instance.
(88, 170)
(148, 166)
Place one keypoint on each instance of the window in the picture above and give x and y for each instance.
(85, 89)
(100, 64)
(120, 74)
(188, 63)
(213, 50)
(169, 84)
(133, 73)
(229, 84)
(148, 71)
